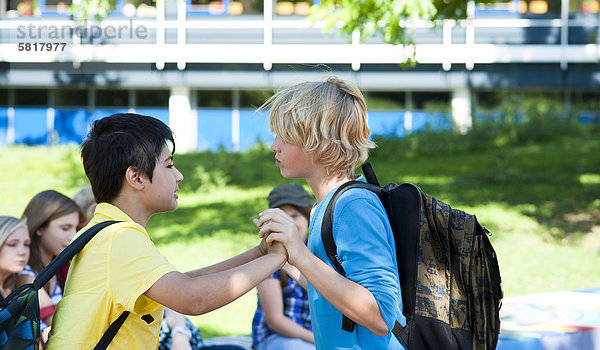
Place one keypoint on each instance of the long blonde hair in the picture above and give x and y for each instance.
(8, 225)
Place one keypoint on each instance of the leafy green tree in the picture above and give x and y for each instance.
(385, 17)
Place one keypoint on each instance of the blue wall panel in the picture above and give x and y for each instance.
(98, 114)
(30, 126)
(3, 125)
(254, 126)
(387, 123)
(71, 125)
(433, 121)
(159, 113)
(214, 129)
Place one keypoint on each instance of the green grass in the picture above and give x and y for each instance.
(541, 201)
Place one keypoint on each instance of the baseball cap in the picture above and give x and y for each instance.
(293, 194)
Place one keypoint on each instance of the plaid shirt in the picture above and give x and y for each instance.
(295, 307)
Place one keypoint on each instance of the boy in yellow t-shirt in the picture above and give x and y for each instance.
(128, 159)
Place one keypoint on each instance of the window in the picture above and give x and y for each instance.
(254, 98)
(431, 101)
(245, 7)
(71, 97)
(488, 100)
(31, 97)
(112, 98)
(210, 6)
(215, 99)
(60, 6)
(139, 8)
(293, 7)
(585, 6)
(498, 6)
(385, 100)
(3, 97)
(21, 7)
(152, 98)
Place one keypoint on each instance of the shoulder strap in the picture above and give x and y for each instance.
(327, 234)
(111, 332)
(327, 224)
(67, 254)
(370, 174)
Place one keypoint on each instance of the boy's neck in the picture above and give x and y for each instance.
(322, 185)
(133, 208)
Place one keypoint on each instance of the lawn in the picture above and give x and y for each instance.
(541, 201)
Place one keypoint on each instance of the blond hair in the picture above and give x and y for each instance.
(8, 225)
(327, 120)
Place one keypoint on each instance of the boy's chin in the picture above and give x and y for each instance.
(170, 208)
(287, 175)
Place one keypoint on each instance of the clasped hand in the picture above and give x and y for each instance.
(276, 226)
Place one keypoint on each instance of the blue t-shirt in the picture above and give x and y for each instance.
(365, 245)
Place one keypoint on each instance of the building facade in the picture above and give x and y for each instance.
(204, 67)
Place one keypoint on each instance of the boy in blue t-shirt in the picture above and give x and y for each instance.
(322, 136)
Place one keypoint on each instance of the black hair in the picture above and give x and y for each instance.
(117, 142)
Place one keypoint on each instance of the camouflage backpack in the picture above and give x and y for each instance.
(20, 310)
(448, 270)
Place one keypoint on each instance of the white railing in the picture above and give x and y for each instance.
(156, 50)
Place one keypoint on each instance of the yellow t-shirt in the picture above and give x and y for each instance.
(109, 276)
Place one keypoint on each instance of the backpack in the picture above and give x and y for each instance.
(20, 310)
(448, 270)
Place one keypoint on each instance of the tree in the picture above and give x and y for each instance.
(390, 18)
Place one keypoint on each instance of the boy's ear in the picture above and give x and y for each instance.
(134, 178)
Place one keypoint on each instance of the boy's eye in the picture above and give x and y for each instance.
(170, 166)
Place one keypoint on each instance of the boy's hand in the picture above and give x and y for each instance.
(277, 248)
(276, 226)
(263, 247)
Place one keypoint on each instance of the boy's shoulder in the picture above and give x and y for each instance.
(358, 197)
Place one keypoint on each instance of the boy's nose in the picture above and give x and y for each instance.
(275, 145)
(179, 176)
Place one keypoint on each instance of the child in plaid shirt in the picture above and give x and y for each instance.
(282, 318)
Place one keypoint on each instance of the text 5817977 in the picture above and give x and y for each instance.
(41, 46)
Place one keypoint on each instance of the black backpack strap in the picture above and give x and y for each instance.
(401, 333)
(67, 254)
(111, 331)
(370, 174)
(327, 224)
(327, 234)
(15, 293)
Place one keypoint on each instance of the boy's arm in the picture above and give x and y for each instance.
(206, 292)
(349, 297)
(295, 274)
(230, 263)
